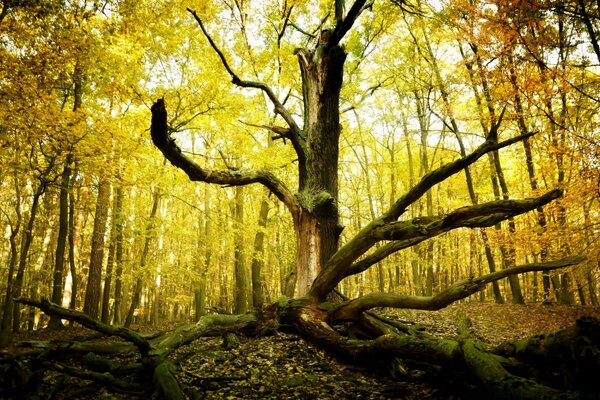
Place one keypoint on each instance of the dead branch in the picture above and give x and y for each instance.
(195, 172)
(351, 310)
(76, 316)
(412, 232)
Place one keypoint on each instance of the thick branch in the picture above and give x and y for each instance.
(211, 325)
(354, 308)
(295, 136)
(343, 25)
(172, 152)
(444, 172)
(85, 320)
(409, 233)
(476, 216)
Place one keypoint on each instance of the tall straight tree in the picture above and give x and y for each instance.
(61, 241)
(93, 291)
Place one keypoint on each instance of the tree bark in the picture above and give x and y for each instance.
(110, 261)
(240, 296)
(26, 240)
(7, 313)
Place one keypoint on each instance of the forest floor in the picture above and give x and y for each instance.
(284, 366)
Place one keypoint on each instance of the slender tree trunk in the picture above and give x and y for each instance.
(240, 297)
(7, 313)
(93, 290)
(72, 263)
(489, 255)
(498, 181)
(427, 247)
(258, 255)
(105, 315)
(204, 262)
(508, 249)
(139, 283)
(27, 238)
(61, 241)
(533, 183)
(118, 222)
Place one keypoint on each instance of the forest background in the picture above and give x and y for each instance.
(93, 218)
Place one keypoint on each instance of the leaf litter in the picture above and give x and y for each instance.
(285, 366)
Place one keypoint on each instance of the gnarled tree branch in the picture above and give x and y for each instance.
(52, 309)
(172, 152)
(409, 233)
(352, 309)
(344, 24)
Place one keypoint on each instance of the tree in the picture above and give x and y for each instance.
(321, 263)
(93, 292)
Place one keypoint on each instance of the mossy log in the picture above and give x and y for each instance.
(575, 350)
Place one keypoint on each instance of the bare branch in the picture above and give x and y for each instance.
(279, 131)
(172, 152)
(354, 308)
(85, 320)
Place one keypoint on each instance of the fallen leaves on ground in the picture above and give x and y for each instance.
(284, 366)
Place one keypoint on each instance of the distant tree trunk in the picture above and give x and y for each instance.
(591, 282)
(27, 238)
(203, 262)
(139, 283)
(489, 255)
(93, 290)
(61, 241)
(258, 255)
(240, 297)
(425, 169)
(71, 237)
(7, 313)
(414, 251)
(498, 182)
(118, 222)
(508, 249)
(533, 183)
(155, 305)
(116, 211)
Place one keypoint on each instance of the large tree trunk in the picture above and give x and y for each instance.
(317, 225)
